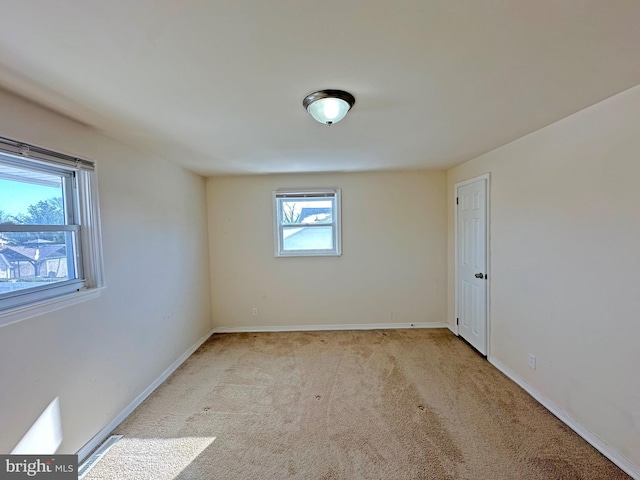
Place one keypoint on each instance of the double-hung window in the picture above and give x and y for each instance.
(49, 226)
(307, 222)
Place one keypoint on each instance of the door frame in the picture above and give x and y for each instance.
(456, 186)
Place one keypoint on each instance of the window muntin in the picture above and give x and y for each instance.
(45, 203)
(307, 222)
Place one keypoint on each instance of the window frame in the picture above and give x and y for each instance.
(281, 195)
(82, 220)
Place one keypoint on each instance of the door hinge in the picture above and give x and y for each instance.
(457, 321)
(457, 200)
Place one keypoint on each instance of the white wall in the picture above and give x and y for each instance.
(393, 267)
(99, 355)
(565, 264)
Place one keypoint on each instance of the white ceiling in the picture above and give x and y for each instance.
(217, 85)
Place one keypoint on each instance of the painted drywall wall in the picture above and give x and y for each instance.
(392, 270)
(565, 263)
(99, 355)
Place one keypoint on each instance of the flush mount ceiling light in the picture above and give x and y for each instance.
(328, 106)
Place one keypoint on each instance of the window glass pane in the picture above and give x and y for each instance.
(307, 222)
(29, 197)
(307, 238)
(27, 262)
(307, 210)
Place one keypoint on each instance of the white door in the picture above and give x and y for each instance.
(471, 262)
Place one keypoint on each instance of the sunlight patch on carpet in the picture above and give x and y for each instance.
(149, 458)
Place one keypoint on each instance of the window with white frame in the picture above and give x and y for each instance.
(49, 226)
(307, 222)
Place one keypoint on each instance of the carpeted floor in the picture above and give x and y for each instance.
(382, 404)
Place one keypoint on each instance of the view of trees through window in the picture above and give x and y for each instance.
(28, 256)
(303, 222)
(305, 212)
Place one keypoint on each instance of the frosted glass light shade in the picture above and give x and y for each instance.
(328, 110)
(328, 106)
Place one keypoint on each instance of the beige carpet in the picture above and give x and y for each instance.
(392, 404)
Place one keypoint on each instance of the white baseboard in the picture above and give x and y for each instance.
(84, 452)
(306, 328)
(589, 436)
(453, 328)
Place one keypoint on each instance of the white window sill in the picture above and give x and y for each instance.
(305, 254)
(49, 305)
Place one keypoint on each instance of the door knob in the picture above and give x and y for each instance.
(479, 275)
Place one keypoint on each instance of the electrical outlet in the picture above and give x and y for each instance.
(532, 361)
(255, 311)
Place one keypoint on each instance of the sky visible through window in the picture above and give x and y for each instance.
(15, 197)
(314, 211)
